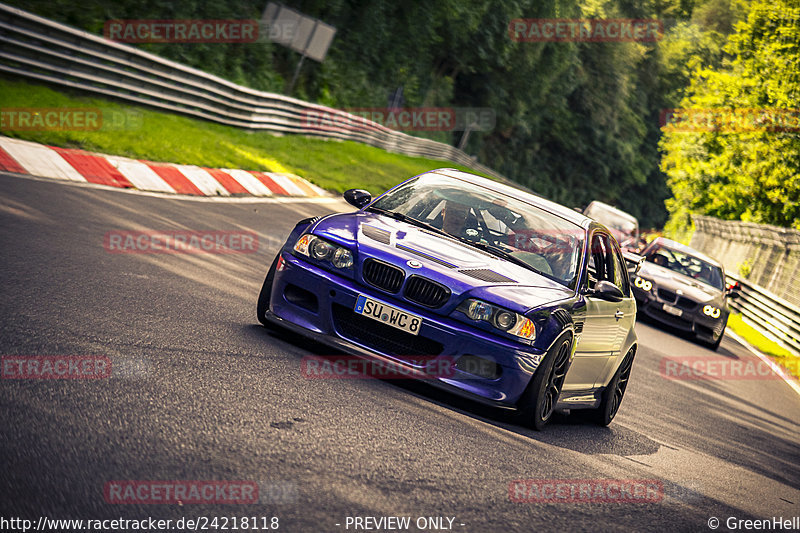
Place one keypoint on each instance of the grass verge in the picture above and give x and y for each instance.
(143, 133)
(761, 343)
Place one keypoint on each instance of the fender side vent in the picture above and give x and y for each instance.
(562, 317)
(310, 220)
(376, 234)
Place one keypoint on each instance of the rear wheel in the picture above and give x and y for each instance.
(539, 400)
(266, 292)
(612, 396)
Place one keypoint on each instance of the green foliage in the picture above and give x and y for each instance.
(156, 136)
(742, 173)
(763, 344)
(574, 121)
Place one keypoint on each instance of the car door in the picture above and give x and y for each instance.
(600, 330)
(624, 314)
(626, 309)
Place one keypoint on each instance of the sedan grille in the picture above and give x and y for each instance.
(667, 296)
(426, 292)
(383, 275)
(381, 337)
(681, 301)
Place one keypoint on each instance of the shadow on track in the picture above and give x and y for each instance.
(574, 432)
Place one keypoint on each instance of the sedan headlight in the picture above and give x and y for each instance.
(321, 250)
(711, 311)
(502, 319)
(644, 284)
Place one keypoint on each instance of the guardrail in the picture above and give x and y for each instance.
(769, 314)
(38, 48)
(769, 254)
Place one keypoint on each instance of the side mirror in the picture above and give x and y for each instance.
(357, 197)
(732, 291)
(633, 262)
(605, 290)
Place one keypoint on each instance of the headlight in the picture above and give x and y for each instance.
(322, 250)
(505, 320)
(342, 258)
(711, 311)
(643, 284)
(500, 318)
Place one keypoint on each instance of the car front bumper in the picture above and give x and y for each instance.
(692, 320)
(322, 309)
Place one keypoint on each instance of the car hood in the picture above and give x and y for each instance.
(664, 278)
(466, 270)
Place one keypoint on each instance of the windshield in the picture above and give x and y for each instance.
(491, 221)
(623, 228)
(687, 265)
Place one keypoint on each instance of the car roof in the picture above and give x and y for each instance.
(537, 201)
(669, 243)
(614, 210)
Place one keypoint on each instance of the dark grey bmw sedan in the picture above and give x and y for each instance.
(685, 289)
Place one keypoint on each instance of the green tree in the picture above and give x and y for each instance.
(747, 173)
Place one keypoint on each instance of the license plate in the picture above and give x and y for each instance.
(388, 315)
(673, 310)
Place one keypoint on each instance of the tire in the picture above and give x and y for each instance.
(266, 292)
(615, 392)
(538, 402)
(714, 346)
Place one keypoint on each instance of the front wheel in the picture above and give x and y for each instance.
(612, 396)
(714, 346)
(539, 400)
(266, 292)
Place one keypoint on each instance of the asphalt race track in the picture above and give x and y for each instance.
(200, 391)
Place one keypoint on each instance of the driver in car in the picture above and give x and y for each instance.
(456, 220)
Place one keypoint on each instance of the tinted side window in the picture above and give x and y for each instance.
(621, 273)
(601, 260)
